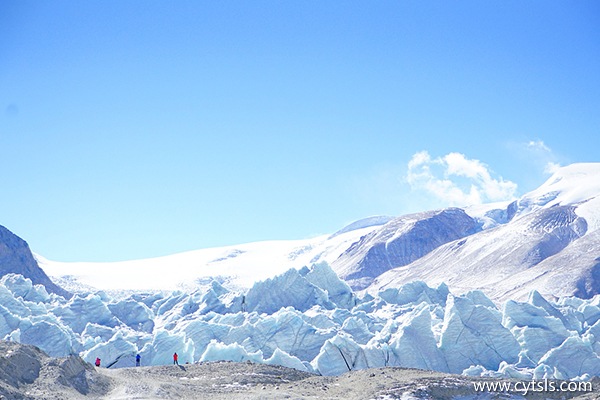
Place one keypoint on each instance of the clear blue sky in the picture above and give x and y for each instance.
(133, 129)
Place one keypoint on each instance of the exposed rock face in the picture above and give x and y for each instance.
(16, 257)
(549, 249)
(19, 364)
(400, 242)
(27, 373)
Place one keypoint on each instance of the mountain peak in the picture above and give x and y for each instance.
(16, 257)
(368, 222)
(575, 184)
(571, 184)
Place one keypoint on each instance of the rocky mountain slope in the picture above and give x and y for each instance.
(400, 242)
(16, 257)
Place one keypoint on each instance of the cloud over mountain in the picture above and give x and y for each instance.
(457, 180)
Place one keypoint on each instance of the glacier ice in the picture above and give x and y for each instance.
(310, 320)
(414, 344)
(338, 355)
(472, 334)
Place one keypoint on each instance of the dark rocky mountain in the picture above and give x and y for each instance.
(509, 260)
(16, 257)
(400, 242)
(548, 240)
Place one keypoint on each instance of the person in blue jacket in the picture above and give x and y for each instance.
(138, 360)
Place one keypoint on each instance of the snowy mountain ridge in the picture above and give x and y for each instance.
(237, 267)
(546, 240)
(576, 184)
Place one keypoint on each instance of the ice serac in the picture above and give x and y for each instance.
(572, 359)
(282, 358)
(134, 314)
(216, 351)
(413, 326)
(536, 330)
(473, 335)
(338, 291)
(400, 242)
(80, 310)
(338, 355)
(289, 289)
(54, 338)
(416, 292)
(118, 348)
(16, 257)
(415, 346)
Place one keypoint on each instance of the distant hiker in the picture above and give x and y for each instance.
(97, 362)
(175, 358)
(138, 359)
(243, 303)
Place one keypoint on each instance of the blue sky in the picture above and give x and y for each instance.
(138, 129)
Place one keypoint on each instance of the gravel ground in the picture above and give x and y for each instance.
(27, 373)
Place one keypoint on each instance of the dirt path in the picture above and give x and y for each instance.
(27, 373)
(225, 380)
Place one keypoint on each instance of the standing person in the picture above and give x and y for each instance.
(175, 358)
(138, 360)
(97, 361)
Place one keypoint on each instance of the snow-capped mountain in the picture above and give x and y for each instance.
(547, 240)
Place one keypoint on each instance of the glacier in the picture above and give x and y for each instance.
(311, 320)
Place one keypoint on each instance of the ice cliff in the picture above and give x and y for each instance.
(310, 320)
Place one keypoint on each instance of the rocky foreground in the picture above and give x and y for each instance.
(28, 373)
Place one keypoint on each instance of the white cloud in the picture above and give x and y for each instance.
(551, 167)
(538, 145)
(538, 151)
(455, 180)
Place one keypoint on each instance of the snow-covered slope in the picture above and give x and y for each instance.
(576, 184)
(233, 266)
(547, 241)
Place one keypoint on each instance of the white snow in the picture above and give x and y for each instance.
(236, 267)
(573, 184)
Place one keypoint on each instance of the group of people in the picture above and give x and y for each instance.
(138, 360)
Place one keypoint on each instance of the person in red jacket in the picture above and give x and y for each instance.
(175, 359)
(97, 361)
